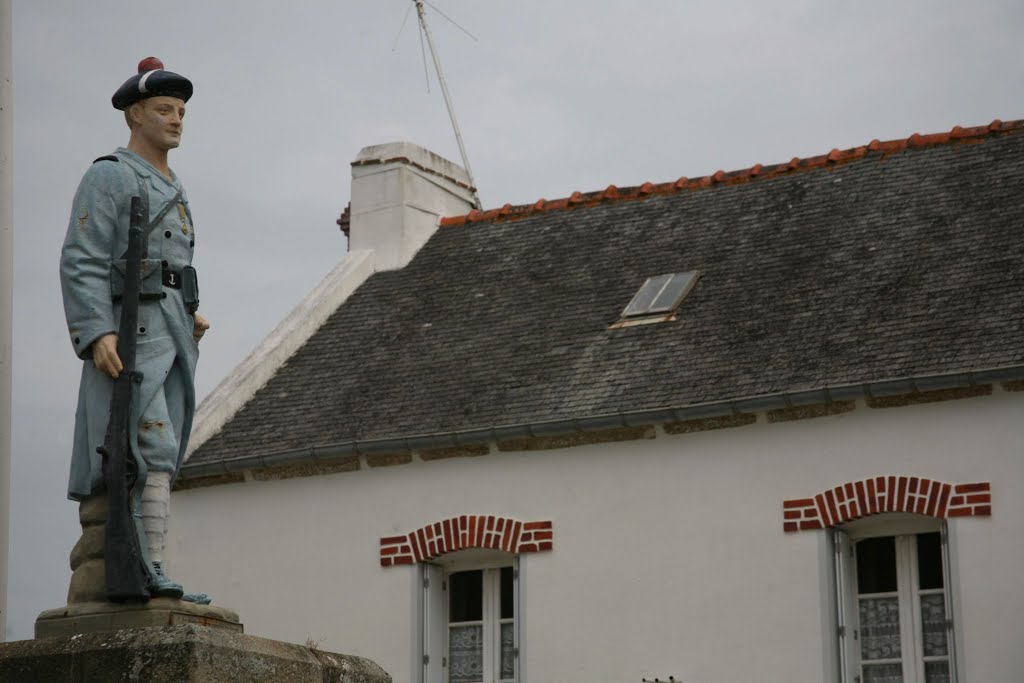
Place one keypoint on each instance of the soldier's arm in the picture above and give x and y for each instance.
(86, 257)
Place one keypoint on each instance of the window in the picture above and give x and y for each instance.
(480, 626)
(658, 298)
(470, 624)
(893, 604)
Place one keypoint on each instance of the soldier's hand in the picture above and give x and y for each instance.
(104, 355)
(200, 327)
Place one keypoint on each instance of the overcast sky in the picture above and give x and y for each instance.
(555, 96)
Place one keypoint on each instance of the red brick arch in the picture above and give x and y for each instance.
(466, 531)
(891, 493)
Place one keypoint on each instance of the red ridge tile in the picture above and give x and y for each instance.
(815, 162)
(835, 156)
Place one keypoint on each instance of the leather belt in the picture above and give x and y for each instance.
(171, 278)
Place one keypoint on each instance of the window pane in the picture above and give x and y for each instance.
(672, 295)
(876, 565)
(507, 610)
(883, 673)
(933, 625)
(929, 560)
(645, 297)
(880, 628)
(507, 651)
(466, 654)
(466, 596)
(936, 672)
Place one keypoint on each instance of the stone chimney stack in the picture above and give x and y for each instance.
(399, 193)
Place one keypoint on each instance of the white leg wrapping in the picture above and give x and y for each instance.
(156, 505)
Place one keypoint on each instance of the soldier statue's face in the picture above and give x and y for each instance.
(159, 121)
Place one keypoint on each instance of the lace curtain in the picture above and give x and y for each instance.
(466, 654)
(507, 652)
(880, 628)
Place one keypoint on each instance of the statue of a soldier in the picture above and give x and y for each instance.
(169, 327)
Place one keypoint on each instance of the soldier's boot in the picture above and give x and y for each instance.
(162, 587)
(156, 500)
(156, 505)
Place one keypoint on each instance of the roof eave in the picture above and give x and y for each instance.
(651, 416)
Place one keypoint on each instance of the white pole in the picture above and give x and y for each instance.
(6, 295)
(447, 98)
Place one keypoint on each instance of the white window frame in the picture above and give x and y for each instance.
(434, 609)
(904, 527)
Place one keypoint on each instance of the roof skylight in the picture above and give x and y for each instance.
(661, 295)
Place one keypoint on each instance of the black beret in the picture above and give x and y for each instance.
(151, 81)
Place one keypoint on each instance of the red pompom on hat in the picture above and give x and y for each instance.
(151, 81)
(150, 64)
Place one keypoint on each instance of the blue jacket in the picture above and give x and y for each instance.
(167, 354)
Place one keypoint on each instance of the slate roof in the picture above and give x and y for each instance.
(891, 260)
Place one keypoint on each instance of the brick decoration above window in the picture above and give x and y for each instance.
(877, 495)
(466, 531)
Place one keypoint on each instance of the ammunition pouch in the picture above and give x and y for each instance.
(190, 288)
(150, 273)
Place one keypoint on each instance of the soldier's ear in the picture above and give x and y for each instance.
(133, 114)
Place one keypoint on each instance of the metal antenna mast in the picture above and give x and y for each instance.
(447, 97)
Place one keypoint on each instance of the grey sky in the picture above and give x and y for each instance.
(555, 97)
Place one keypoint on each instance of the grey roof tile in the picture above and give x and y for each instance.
(898, 263)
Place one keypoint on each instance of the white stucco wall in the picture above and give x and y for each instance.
(669, 554)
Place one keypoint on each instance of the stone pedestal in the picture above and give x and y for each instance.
(187, 653)
(90, 640)
(97, 617)
(88, 611)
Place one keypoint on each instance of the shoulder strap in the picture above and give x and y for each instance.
(144, 196)
(163, 210)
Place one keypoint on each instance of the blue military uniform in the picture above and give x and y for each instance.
(92, 270)
(167, 353)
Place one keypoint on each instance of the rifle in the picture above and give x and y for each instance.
(126, 572)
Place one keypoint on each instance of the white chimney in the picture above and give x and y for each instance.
(399, 193)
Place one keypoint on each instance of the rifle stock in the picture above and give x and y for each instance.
(126, 575)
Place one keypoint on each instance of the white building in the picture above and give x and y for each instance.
(496, 446)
